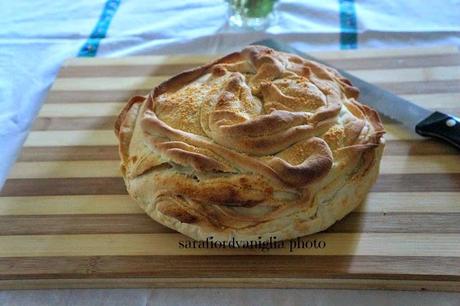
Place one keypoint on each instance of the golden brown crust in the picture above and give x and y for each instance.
(256, 143)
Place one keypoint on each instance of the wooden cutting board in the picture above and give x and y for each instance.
(66, 220)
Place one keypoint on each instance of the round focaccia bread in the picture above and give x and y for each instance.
(256, 144)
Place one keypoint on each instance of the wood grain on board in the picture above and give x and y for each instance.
(67, 221)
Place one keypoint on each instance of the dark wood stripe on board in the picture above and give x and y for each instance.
(355, 222)
(63, 186)
(80, 224)
(418, 147)
(349, 267)
(422, 182)
(417, 182)
(69, 153)
(398, 223)
(124, 70)
(73, 123)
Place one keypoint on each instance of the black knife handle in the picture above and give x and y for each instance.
(440, 126)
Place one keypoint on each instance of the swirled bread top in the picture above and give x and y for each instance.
(256, 126)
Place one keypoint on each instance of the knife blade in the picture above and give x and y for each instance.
(418, 119)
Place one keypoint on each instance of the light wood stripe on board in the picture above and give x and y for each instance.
(399, 132)
(376, 53)
(417, 202)
(357, 244)
(409, 74)
(108, 83)
(148, 82)
(111, 168)
(81, 109)
(355, 222)
(71, 138)
(107, 137)
(402, 88)
(70, 205)
(66, 169)
(150, 60)
(398, 62)
(165, 68)
(418, 147)
(438, 100)
(376, 202)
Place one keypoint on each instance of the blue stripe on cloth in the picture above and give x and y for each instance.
(348, 27)
(90, 47)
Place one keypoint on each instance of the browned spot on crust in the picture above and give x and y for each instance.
(176, 212)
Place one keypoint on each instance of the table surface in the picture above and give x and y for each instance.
(51, 36)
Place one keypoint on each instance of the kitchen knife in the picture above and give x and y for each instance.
(422, 121)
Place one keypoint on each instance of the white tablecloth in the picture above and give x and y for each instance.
(37, 36)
